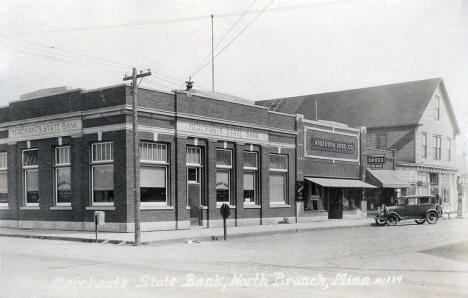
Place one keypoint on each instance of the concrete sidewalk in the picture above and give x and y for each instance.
(195, 234)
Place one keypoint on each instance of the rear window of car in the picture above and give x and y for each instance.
(412, 201)
(425, 201)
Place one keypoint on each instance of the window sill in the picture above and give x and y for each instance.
(4, 207)
(142, 207)
(230, 206)
(61, 208)
(29, 208)
(279, 206)
(100, 208)
(252, 206)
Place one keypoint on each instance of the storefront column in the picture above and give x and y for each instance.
(239, 182)
(265, 181)
(182, 214)
(211, 181)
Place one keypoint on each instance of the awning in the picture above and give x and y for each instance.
(389, 178)
(342, 183)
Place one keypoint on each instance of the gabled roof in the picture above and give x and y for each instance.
(379, 106)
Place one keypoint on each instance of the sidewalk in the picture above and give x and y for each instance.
(196, 234)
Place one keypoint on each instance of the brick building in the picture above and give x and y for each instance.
(415, 119)
(65, 155)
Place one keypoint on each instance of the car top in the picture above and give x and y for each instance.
(417, 196)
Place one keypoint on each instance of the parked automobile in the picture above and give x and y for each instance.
(419, 208)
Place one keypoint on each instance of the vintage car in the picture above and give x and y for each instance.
(420, 208)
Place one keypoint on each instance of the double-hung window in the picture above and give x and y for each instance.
(223, 176)
(424, 145)
(437, 147)
(30, 164)
(250, 178)
(449, 149)
(153, 174)
(381, 141)
(62, 176)
(3, 179)
(278, 179)
(437, 107)
(102, 174)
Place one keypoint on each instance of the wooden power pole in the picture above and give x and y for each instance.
(136, 152)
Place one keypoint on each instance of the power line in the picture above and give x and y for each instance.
(236, 36)
(224, 37)
(185, 19)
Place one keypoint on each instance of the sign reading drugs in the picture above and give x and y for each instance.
(376, 161)
(331, 145)
(45, 129)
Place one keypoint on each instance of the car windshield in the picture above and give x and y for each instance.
(401, 202)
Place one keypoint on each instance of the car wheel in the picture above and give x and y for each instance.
(419, 221)
(432, 218)
(381, 221)
(392, 220)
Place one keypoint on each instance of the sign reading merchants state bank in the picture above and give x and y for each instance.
(331, 145)
(45, 129)
(222, 132)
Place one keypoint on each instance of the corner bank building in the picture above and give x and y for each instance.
(65, 155)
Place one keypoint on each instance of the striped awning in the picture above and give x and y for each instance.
(339, 183)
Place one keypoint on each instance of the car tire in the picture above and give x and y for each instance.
(432, 218)
(392, 220)
(419, 221)
(381, 221)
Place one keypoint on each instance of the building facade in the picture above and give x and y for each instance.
(64, 156)
(415, 119)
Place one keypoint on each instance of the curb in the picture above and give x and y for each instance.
(215, 237)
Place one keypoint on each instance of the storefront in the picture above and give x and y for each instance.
(329, 166)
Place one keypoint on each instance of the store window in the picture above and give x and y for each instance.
(62, 176)
(250, 178)
(424, 145)
(102, 173)
(153, 174)
(278, 179)
(3, 179)
(381, 141)
(437, 147)
(314, 200)
(223, 176)
(30, 177)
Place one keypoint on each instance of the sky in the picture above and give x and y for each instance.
(269, 48)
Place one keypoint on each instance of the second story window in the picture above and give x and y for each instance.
(381, 141)
(30, 164)
(424, 145)
(102, 174)
(3, 179)
(437, 147)
(449, 149)
(62, 176)
(437, 107)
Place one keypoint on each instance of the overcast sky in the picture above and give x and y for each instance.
(292, 48)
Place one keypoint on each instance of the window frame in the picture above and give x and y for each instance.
(449, 149)
(254, 171)
(4, 169)
(97, 163)
(146, 163)
(285, 173)
(57, 167)
(437, 147)
(437, 107)
(228, 169)
(378, 144)
(198, 166)
(25, 170)
(424, 145)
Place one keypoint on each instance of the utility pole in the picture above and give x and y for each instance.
(136, 152)
(212, 54)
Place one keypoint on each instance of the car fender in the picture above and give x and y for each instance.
(392, 212)
(431, 210)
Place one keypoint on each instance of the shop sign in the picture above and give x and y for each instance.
(45, 129)
(225, 132)
(376, 161)
(331, 145)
